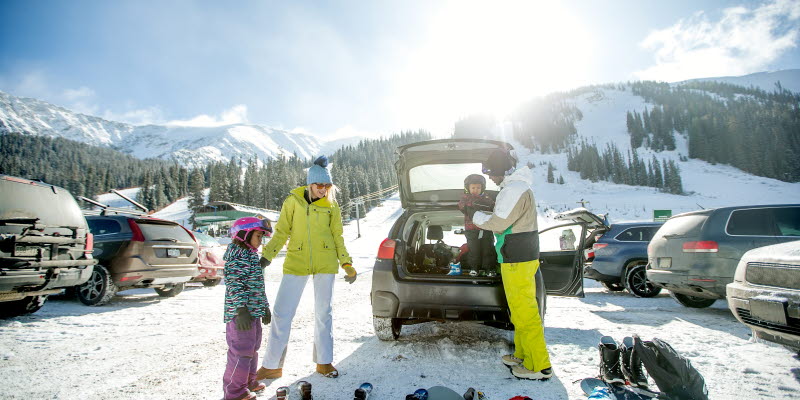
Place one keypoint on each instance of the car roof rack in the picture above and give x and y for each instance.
(105, 209)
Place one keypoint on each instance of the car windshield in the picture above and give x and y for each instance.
(429, 177)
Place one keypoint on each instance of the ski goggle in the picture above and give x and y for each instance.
(323, 185)
(262, 225)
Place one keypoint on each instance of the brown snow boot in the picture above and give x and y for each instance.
(266, 373)
(327, 370)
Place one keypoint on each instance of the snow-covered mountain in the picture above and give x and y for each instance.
(789, 79)
(190, 146)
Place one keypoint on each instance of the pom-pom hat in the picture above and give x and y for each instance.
(319, 173)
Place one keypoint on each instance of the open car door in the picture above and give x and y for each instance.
(561, 251)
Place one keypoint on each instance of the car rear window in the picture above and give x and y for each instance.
(104, 226)
(684, 225)
(156, 231)
(444, 177)
(206, 240)
(637, 234)
(765, 222)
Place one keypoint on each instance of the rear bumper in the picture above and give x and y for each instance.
(591, 273)
(436, 301)
(740, 298)
(32, 279)
(691, 285)
(208, 273)
(156, 275)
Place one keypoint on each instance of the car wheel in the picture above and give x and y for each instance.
(171, 291)
(613, 287)
(30, 304)
(211, 282)
(387, 328)
(99, 289)
(692, 301)
(636, 282)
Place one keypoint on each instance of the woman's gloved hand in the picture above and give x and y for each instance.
(243, 319)
(264, 262)
(267, 318)
(350, 272)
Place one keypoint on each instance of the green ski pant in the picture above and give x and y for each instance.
(520, 286)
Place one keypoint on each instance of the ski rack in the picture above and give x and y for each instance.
(106, 209)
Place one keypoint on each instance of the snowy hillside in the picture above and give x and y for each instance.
(789, 79)
(190, 146)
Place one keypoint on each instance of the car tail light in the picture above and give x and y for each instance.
(599, 246)
(701, 246)
(137, 232)
(89, 246)
(190, 233)
(130, 278)
(386, 249)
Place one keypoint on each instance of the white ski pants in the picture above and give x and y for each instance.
(289, 293)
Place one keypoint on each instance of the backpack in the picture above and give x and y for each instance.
(673, 373)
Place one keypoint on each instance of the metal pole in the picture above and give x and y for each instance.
(358, 225)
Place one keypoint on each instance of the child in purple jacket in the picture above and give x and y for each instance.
(481, 257)
(246, 308)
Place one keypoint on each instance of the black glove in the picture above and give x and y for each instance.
(243, 319)
(267, 318)
(264, 262)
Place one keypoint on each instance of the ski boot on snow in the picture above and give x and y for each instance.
(419, 394)
(304, 388)
(282, 393)
(610, 366)
(632, 367)
(363, 391)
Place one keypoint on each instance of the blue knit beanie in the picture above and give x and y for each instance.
(318, 173)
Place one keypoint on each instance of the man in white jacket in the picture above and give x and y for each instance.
(513, 222)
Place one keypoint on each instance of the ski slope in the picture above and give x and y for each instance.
(144, 347)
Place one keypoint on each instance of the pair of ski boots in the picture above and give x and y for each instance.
(620, 363)
(303, 388)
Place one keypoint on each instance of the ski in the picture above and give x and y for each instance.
(363, 391)
(304, 388)
(597, 389)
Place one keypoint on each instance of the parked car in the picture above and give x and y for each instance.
(212, 266)
(765, 293)
(694, 255)
(136, 251)
(410, 282)
(45, 245)
(618, 256)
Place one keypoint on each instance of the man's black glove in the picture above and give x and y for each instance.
(264, 262)
(267, 318)
(243, 319)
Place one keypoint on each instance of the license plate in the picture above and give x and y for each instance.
(173, 253)
(25, 251)
(770, 311)
(664, 262)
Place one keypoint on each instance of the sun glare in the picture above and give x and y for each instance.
(482, 57)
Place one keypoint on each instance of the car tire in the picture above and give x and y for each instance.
(171, 291)
(692, 301)
(28, 305)
(387, 328)
(211, 282)
(613, 287)
(99, 289)
(636, 281)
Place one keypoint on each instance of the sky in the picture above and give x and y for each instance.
(370, 68)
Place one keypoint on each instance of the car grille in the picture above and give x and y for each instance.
(792, 327)
(773, 274)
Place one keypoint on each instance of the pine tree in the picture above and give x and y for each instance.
(550, 178)
(196, 199)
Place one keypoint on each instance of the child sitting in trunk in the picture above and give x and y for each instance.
(481, 257)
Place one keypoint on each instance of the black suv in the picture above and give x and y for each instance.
(695, 254)
(412, 281)
(45, 245)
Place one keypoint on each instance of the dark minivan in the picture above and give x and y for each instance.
(695, 254)
(45, 245)
(411, 282)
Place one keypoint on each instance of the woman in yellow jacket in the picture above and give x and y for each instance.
(311, 221)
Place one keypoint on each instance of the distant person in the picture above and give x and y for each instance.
(246, 308)
(481, 257)
(514, 223)
(311, 221)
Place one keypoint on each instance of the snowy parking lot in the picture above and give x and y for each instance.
(142, 346)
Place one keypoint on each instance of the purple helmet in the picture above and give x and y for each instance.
(473, 179)
(243, 226)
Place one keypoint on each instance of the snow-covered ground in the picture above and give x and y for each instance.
(144, 347)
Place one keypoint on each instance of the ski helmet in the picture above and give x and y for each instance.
(501, 162)
(243, 226)
(473, 179)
